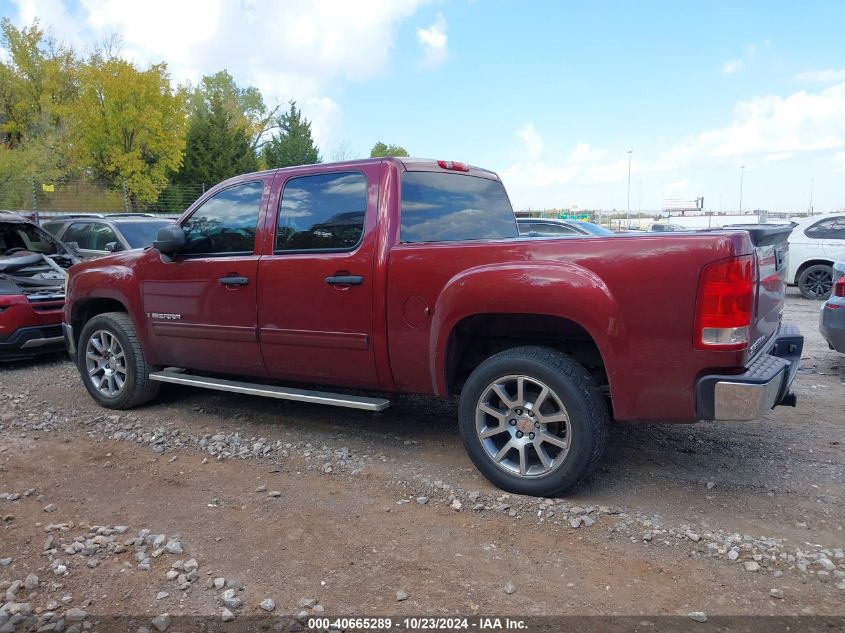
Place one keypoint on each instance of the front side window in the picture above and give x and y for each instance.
(79, 232)
(102, 234)
(322, 212)
(441, 207)
(225, 223)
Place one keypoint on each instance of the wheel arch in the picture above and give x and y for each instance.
(561, 305)
(86, 309)
(810, 262)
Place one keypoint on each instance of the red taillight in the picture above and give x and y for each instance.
(839, 288)
(449, 164)
(725, 304)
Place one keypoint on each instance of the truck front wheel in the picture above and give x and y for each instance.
(533, 421)
(112, 363)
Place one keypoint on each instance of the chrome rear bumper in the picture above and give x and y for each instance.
(763, 385)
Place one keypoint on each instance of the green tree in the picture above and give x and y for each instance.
(245, 106)
(129, 125)
(217, 146)
(292, 144)
(380, 149)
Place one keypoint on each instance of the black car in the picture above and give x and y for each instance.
(96, 237)
(552, 227)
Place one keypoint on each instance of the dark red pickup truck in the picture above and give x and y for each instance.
(409, 276)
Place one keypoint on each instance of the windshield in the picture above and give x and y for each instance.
(141, 234)
(24, 236)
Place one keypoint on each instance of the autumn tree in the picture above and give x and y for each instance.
(38, 82)
(129, 125)
(292, 143)
(380, 149)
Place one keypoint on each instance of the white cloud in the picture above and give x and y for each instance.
(532, 140)
(765, 130)
(435, 41)
(731, 66)
(771, 124)
(679, 188)
(780, 156)
(827, 76)
(318, 42)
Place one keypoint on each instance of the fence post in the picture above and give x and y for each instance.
(125, 198)
(34, 196)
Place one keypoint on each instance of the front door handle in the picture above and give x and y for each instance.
(234, 281)
(345, 280)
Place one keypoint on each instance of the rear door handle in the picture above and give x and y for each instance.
(345, 280)
(234, 281)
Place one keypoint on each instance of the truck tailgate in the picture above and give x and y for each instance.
(772, 251)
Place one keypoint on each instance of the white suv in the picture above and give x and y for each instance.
(816, 242)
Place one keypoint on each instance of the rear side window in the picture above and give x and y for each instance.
(322, 212)
(225, 223)
(439, 207)
(828, 229)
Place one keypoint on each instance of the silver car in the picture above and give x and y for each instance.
(95, 237)
(832, 319)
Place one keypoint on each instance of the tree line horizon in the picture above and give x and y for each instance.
(68, 118)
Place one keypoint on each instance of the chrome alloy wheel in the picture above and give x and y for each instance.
(106, 363)
(523, 426)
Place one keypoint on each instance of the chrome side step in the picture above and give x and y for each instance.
(270, 391)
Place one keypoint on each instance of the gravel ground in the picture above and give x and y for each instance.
(234, 507)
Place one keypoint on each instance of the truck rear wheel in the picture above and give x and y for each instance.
(533, 421)
(112, 364)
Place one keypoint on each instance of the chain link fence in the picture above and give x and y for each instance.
(45, 199)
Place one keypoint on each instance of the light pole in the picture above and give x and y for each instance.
(812, 182)
(628, 215)
(741, 180)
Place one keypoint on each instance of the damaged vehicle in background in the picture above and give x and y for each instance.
(33, 270)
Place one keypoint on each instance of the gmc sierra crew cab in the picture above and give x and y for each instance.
(346, 283)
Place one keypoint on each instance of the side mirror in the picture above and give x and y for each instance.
(112, 247)
(73, 247)
(170, 240)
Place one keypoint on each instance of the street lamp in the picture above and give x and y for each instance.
(812, 182)
(628, 215)
(741, 180)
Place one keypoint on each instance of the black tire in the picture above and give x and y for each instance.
(571, 385)
(816, 282)
(137, 387)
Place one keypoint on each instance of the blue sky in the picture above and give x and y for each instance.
(549, 94)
